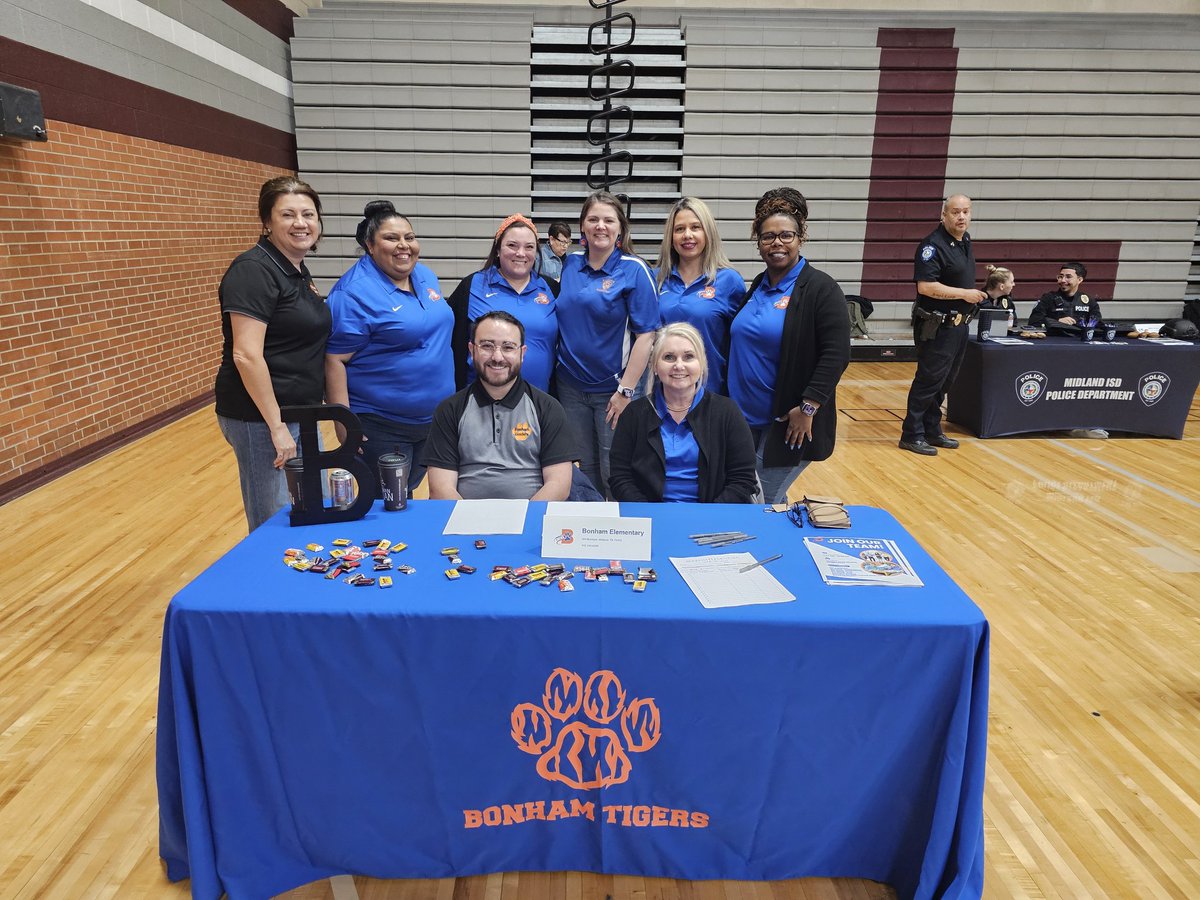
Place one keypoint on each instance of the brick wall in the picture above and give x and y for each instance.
(111, 250)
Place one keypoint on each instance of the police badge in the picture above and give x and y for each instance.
(1030, 386)
(1152, 387)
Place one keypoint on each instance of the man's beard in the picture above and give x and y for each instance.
(491, 376)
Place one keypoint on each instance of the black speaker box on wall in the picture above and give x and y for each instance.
(21, 114)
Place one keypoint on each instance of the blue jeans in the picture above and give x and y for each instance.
(775, 480)
(386, 436)
(585, 412)
(264, 487)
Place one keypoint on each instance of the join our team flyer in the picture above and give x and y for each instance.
(857, 560)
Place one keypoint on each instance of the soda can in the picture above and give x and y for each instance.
(341, 488)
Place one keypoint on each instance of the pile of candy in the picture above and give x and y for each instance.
(345, 557)
(547, 574)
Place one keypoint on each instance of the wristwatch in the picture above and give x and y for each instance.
(808, 409)
(625, 392)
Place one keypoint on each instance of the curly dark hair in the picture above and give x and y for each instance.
(781, 201)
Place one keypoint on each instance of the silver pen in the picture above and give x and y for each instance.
(728, 541)
(761, 562)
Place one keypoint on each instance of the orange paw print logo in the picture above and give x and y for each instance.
(582, 734)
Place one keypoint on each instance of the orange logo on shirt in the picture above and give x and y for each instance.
(433, 295)
(782, 302)
(709, 292)
(606, 284)
(521, 431)
(541, 298)
(588, 751)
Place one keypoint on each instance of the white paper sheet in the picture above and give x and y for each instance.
(1011, 341)
(717, 582)
(487, 517)
(1166, 342)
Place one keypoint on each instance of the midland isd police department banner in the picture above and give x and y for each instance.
(1059, 384)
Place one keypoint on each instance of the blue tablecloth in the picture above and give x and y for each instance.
(308, 728)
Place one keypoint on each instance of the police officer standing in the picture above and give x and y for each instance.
(944, 270)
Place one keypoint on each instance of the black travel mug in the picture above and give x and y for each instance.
(393, 481)
(293, 469)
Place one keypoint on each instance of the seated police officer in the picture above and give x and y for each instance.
(1068, 305)
(499, 438)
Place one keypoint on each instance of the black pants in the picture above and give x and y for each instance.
(938, 362)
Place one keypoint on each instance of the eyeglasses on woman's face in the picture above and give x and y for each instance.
(770, 237)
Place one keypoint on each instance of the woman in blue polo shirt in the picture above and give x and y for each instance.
(606, 291)
(682, 442)
(388, 356)
(789, 345)
(697, 284)
(508, 282)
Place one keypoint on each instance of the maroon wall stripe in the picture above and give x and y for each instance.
(1035, 265)
(918, 68)
(913, 113)
(270, 14)
(84, 95)
(915, 37)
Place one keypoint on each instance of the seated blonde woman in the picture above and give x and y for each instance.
(682, 443)
(999, 288)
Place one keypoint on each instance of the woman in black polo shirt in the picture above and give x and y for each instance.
(274, 325)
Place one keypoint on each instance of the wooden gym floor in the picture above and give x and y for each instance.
(1082, 553)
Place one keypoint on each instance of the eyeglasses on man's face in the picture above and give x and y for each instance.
(487, 348)
(770, 237)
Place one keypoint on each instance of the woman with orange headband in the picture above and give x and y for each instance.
(508, 282)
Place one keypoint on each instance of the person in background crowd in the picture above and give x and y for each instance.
(944, 271)
(389, 356)
(697, 284)
(1066, 305)
(507, 281)
(552, 253)
(683, 442)
(274, 326)
(606, 291)
(789, 345)
(500, 438)
(999, 287)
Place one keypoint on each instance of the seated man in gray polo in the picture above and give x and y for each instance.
(499, 438)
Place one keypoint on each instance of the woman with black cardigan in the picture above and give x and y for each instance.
(682, 443)
(789, 345)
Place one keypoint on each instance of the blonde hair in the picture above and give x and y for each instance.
(997, 275)
(689, 333)
(713, 257)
